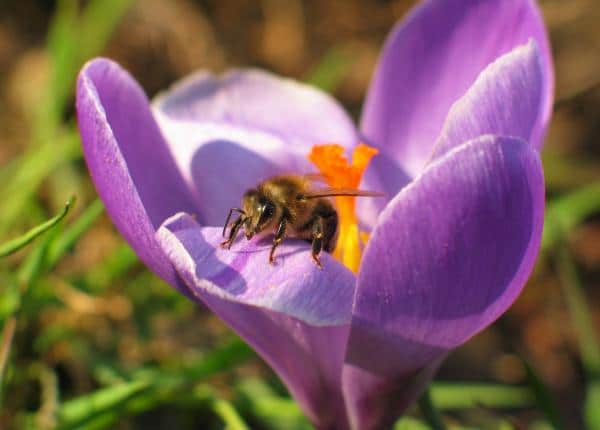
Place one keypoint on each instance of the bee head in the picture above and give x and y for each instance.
(260, 212)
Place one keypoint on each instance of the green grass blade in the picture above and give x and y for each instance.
(73, 39)
(27, 275)
(14, 245)
(331, 70)
(34, 264)
(448, 396)
(542, 397)
(430, 412)
(32, 169)
(62, 48)
(98, 22)
(148, 389)
(579, 312)
(230, 417)
(409, 423)
(565, 213)
(588, 341)
(592, 405)
(262, 402)
(77, 412)
(70, 235)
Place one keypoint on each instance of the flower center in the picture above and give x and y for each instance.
(333, 164)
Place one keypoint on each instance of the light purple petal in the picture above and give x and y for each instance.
(293, 313)
(294, 285)
(229, 133)
(432, 58)
(506, 99)
(451, 252)
(298, 114)
(128, 160)
(219, 162)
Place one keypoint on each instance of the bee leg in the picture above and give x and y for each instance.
(279, 235)
(231, 211)
(317, 240)
(233, 232)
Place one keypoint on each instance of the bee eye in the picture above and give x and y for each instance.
(267, 211)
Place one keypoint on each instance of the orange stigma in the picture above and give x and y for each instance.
(333, 164)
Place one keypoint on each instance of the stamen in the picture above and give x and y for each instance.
(333, 164)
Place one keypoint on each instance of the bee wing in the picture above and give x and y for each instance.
(334, 192)
(315, 177)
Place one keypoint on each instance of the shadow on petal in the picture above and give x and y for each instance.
(222, 171)
(386, 353)
(385, 175)
(294, 286)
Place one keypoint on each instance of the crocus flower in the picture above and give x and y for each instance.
(457, 111)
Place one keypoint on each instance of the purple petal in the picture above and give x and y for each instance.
(220, 162)
(128, 159)
(374, 402)
(451, 252)
(294, 285)
(432, 58)
(229, 133)
(385, 175)
(506, 99)
(298, 114)
(293, 313)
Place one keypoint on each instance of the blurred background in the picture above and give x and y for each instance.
(89, 339)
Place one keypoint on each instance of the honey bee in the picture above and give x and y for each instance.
(289, 206)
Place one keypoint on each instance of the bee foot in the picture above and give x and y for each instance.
(317, 262)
